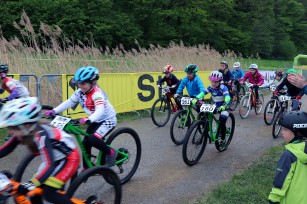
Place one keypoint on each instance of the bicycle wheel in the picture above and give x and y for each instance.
(234, 101)
(258, 107)
(179, 128)
(160, 112)
(242, 91)
(270, 111)
(126, 140)
(230, 127)
(195, 142)
(276, 127)
(91, 182)
(245, 106)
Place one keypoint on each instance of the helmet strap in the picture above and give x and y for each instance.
(27, 131)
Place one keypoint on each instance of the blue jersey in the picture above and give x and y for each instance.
(226, 76)
(218, 95)
(194, 86)
(237, 74)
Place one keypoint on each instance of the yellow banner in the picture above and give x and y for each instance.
(126, 91)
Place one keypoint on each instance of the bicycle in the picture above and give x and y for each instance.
(109, 191)
(200, 131)
(271, 108)
(163, 107)
(182, 120)
(284, 106)
(123, 140)
(248, 101)
(236, 96)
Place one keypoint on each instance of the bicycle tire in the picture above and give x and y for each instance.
(269, 108)
(244, 104)
(120, 169)
(234, 101)
(276, 127)
(258, 107)
(199, 142)
(161, 105)
(229, 134)
(178, 139)
(113, 184)
(242, 90)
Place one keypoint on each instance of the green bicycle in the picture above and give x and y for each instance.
(200, 131)
(182, 120)
(123, 140)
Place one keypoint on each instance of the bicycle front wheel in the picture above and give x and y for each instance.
(230, 127)
(128, 144)
(160, 112)
(234, 101)
(276, 127)
(92, 183)
(179, 126)
(270, 111)
(195, 142)
(258, 106)
(245, 106)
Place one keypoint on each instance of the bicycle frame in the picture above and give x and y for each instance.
(189, 108)
(213, 134)
(169, 96)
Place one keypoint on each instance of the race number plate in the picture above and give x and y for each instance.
(59, 122)
(207, 108)
(165, 90)
(284, 98)
(272, 88)
(185, 101)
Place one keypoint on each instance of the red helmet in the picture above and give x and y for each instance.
(168, 69)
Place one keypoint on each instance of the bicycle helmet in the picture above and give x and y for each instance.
(291, 71)
(279, 73)
(191, 68)
(20, 111)
(296, 121)
(168, 69)
(216, 76)
(4, 68)
(253, 66)
(236, 64)
(86, 74)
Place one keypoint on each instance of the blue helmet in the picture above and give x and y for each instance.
(86, 74)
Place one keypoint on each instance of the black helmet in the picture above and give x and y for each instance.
(4, 68)
(191, 68)
(279, 73)
(296, 121)
(225, 63)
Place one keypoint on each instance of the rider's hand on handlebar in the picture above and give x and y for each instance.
(222, 108)
(49, 112)
(84, 121)
(275, 92)
(174, 86)
(25, 187)
(194, 101)
(298, 97)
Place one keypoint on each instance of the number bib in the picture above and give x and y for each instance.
(284, 98)
(207, 108)
(59, 122)
(185, 101)
(165, 90)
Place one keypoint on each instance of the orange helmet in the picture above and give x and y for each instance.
(168, 69)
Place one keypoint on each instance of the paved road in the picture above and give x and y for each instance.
(163, 177)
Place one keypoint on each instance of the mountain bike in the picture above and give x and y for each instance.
(183, 119)
(271, 108)
(206, 128)
(284, 106)
(123, 140)
(236, 96)
(163, 107)
(248, 102)
(99, 191)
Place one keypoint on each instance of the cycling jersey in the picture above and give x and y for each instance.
(256, 78)
(237, 74)
(226, 76)
(15, 88)
(170, 81)
(195, 86)
(95, 103)
(220, 95)
(292, 90)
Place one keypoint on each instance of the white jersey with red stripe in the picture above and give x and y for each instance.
(9, 84)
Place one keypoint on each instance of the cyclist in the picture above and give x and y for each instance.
(94, 101)
(170, 78)
(193, 83)
(291, 89)
(237, 74)
(13, 86)
(221, 98)
(289, 185)
(57, 149)
(254, 77)
(227, 76)
(277, 80)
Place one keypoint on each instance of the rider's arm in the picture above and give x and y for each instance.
(246, 76)
(99, 106)
(12, 89)
(183, 83)
(241, 74)
(8, 147)
(71, 102)
(231, 77)
(175, 80)
(161, 81)
(281, 85)
(261, 80)
(201, 88)
(283, 176)
(226, 95)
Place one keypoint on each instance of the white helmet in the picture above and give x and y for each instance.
(216, 76)
(236, 64)
(253, 66)
(20, 111)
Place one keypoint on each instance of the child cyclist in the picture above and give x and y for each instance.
(227, 75)
(94, 101)
(193, 83)
(14, 87)
(170, 79)
(221, 98)
(237, 74)
(254, 77)
(289, 185)
(58, 149)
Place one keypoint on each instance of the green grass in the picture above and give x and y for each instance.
(3, 134)
(266, 64)
(253, 185)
